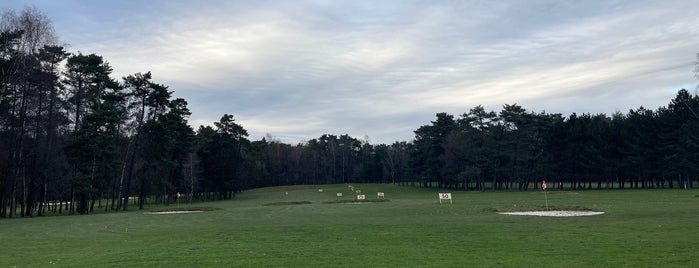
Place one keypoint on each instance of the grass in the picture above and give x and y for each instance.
(652, 228)
(190, 208)
(353, 201)
(288, 203)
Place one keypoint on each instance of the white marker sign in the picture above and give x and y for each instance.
(320, 190)
(339, 194)
(361, 197)
(380, 195)
(445, 196)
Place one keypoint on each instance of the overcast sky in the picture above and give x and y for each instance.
(300, 69)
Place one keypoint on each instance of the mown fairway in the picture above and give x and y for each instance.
(651, 228)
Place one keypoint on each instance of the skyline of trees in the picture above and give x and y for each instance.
(73, 139)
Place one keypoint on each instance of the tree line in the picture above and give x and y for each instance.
(73, 139)
(514, 149)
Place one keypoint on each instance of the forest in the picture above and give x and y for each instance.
(74, 139)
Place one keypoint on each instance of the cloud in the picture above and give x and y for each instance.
(580, 59)
(379, 68)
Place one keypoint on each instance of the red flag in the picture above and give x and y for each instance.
(543, 185)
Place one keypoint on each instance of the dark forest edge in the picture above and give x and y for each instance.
(70, 134)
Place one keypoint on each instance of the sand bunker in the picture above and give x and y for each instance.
(554, 213)
(172, 212)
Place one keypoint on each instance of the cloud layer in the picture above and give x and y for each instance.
(382, 68)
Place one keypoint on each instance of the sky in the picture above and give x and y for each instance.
(380, 69)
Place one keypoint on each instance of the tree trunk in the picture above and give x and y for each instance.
(92, 203)
(141, 192)
(43, 202)
(71, 210)
(127, 191)
(13, 201)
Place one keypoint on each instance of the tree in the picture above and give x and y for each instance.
(221, 156)
(50, 57)
(428, 151)
(520, 146)
(23, 85)
(99, 111)
(482, 127)
(171, 140)
(678, 139)
(394, 161)
(147, 102)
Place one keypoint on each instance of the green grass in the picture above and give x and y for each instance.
(652, 228)
(283, 203)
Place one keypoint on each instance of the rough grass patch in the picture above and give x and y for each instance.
(286, 203)
(539, 208)
(346, 201)
(186, 209)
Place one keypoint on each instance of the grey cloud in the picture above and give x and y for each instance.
(299, 69)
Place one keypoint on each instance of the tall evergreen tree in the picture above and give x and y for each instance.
(221, 156)
(98, 111)
(428, 152)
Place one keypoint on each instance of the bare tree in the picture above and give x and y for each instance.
(37, 28)
(23, 88)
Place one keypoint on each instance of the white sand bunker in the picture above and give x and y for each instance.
(554, 213)
(172, 212)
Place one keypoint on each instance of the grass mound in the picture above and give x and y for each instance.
(186, 209)
(288, 203)
(350, 201)
(540, 208)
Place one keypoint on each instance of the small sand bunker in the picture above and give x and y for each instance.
(554, 213)
(172, 212)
